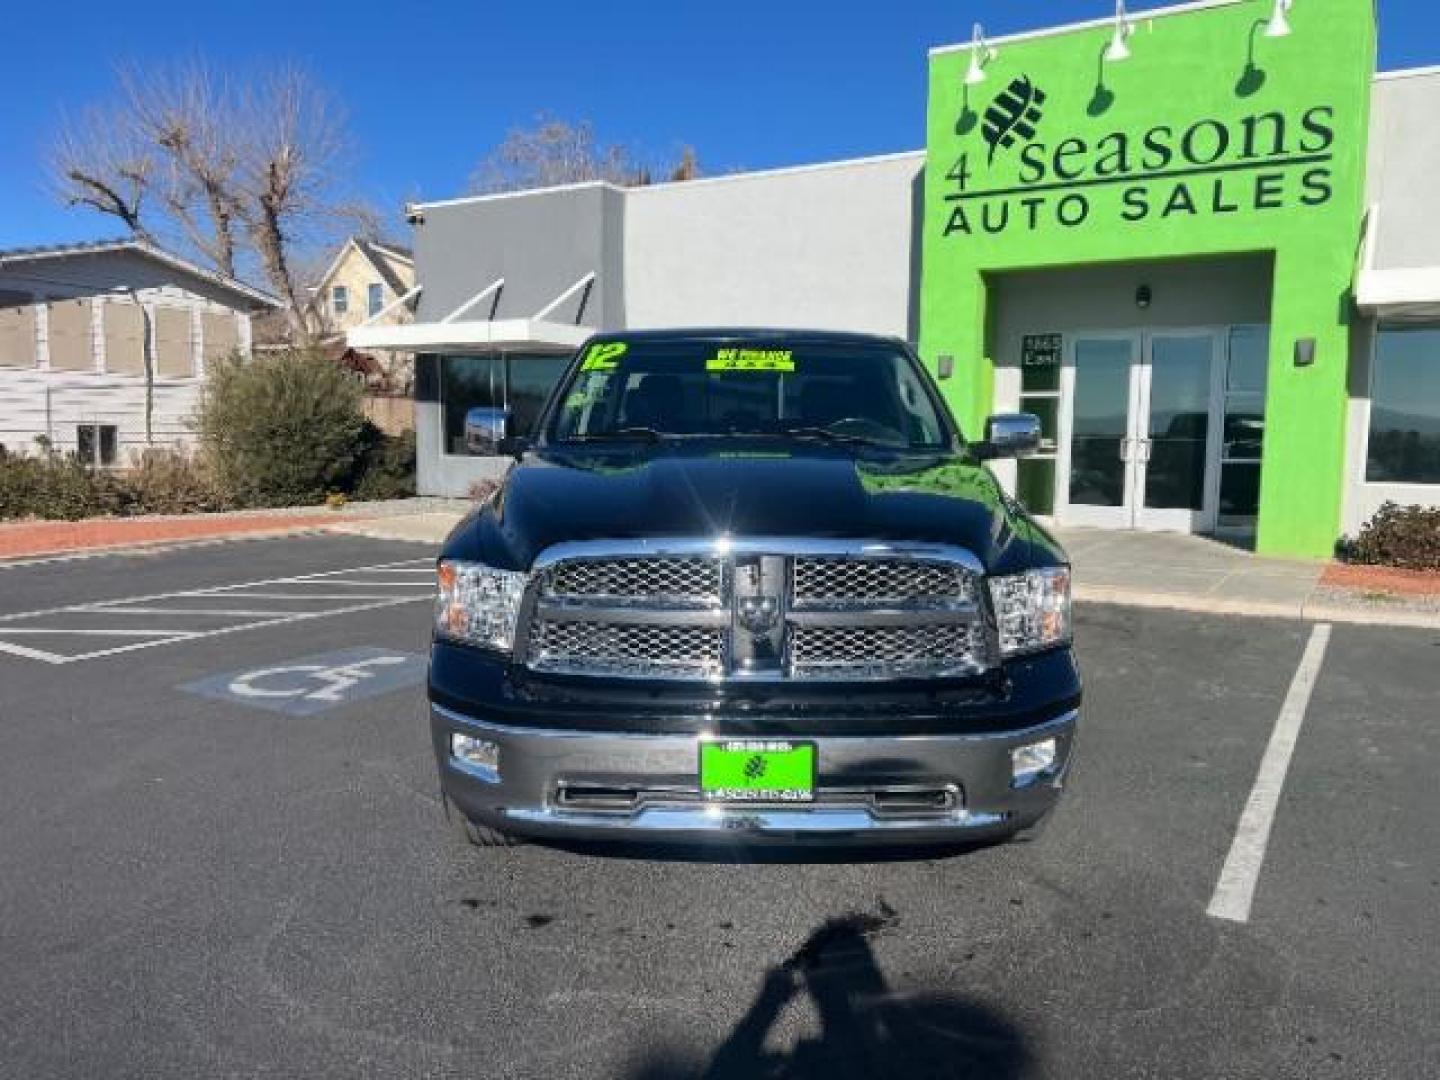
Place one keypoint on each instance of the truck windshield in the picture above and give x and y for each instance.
(864, 393)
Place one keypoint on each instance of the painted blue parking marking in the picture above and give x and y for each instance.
(313, 684)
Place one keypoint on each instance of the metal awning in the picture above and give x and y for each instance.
(1394, 293)
(455, 334)
(469, 335)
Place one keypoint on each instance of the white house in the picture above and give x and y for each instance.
(78, 323)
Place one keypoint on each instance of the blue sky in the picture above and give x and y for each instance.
(432, 86)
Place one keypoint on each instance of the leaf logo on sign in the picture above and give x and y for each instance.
(1013, 114)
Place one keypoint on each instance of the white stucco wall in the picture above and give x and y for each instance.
(827, 247)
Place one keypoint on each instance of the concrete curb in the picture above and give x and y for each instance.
(1303, 611)
(16, 562)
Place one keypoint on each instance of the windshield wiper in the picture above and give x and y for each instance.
(826, 435)
(645, 434)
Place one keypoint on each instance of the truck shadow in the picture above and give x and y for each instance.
(866, 1029)
(830, 852)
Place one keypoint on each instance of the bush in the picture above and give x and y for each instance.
(386, 467)
(53, 487)
(165, 482)
(1404, 536)
(281, 430)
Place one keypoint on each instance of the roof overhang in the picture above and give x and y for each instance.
(470, 335)
(1406, 295)
(1394, 293)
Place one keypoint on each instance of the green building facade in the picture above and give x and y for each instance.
(1200, 139)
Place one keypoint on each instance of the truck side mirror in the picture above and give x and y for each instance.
(514, 445)
(1011, 435)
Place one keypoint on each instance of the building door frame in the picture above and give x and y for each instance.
(1136, 443)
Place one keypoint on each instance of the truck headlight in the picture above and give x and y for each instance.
(1032, 610)
(477, 604)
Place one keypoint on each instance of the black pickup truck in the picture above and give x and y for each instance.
(749, 586)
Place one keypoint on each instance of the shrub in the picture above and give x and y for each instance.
(386, 468)
(1404, 536)
(54, 487)
(281, 430)
(166, 482)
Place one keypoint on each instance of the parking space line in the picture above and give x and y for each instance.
(344, 595)
(31, 654)
(321, 596)
(234, 612)
(198, 634)
(209, 591)
(1235, 890)
(88, 632)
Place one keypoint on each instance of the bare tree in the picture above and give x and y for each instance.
(97, 161)
(292, 154)
(190, 116)
(249, 174)
(556, 151)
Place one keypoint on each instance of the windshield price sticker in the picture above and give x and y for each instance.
(752, 360)
(604, 356)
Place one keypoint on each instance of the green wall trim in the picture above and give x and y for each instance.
(1211, 139)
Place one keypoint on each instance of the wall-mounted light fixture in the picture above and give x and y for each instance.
(1279, 25)
(1143, 296)
(981, 54)
(1119, 48)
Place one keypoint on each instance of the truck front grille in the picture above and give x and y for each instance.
(874, 581)
(757, 611)
(608, 648)
(687, 580)
(847, 652)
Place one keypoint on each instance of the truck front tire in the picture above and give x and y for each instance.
(474, 834)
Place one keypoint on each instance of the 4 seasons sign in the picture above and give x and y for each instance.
(1028, 178)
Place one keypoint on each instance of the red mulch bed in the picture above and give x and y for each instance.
(32, 538)
(1382, 579)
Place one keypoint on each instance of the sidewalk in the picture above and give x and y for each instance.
(1196, 573)
(47, 539)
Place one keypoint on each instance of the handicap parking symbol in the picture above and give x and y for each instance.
(312, 684)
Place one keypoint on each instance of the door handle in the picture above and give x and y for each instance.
(1145, 447)
(1124, 449)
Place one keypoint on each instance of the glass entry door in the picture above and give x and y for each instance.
(1140, 430)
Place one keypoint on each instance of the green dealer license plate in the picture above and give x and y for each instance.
(757, 770)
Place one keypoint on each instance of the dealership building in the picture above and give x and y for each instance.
(1201, 243)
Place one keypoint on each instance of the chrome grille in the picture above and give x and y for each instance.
(758, 610)
(859, 582)
(621, 649)
(688, 580)
(818, 651)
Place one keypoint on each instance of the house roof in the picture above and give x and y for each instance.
(378, 254)
(145, 249)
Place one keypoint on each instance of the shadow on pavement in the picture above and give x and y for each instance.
(832, 853)
(866, 1028)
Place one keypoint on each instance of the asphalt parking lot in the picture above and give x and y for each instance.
(196, 881)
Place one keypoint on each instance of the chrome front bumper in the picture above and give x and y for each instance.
(861, 794)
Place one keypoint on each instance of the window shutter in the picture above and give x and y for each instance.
(124, 339)
(174, 345)
(71, 336)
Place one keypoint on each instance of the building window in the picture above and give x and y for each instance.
(96, 444)
(1246, 370)
(339, 299)
(484, 398)
(374, 299)
(1405, 407)
(1040, 357)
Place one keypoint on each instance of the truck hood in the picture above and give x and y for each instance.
(712, 488)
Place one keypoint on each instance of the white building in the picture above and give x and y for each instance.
(79, 322)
